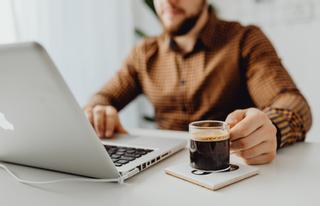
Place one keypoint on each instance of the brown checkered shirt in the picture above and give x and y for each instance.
(231, 67)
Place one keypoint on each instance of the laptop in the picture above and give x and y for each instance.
(42, 125)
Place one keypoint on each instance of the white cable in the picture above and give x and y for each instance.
(119, 180)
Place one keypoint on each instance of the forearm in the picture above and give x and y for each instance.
(291, 114)
(116, 94)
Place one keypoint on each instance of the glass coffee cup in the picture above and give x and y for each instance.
(210, 145)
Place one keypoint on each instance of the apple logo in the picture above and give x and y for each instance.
(4, 123)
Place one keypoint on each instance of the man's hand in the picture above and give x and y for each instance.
(105, 120)
(252, 135)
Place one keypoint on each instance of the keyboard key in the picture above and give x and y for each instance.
(130, 151)
(141, 152)
(127, 158)
(107, 147)
(130, 155)
(115, 156)
(121, 161)
(112, 150)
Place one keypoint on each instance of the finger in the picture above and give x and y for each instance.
(255, 138)
(262, 148)
(99, 120)
(235, 117)
(262, 159)
(110, 121)
(252, 121)
(237, 153)
(121, 129)
(110, 127)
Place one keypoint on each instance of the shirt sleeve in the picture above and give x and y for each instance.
(123, 87)
(273, 90)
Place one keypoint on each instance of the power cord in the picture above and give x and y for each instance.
(6, 168)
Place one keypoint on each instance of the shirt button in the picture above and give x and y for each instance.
(182, 82)
(184, 108)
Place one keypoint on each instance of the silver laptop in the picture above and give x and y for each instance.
(42, 125)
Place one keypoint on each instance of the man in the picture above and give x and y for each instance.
(204, 68)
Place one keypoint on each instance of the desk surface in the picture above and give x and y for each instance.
(292, 179)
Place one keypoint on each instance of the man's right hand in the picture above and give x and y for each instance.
(105, 120)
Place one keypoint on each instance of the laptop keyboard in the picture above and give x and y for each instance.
(123, 155)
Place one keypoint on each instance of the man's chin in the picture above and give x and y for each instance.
(175, 32)
(172, 32)
(183, 28)
(172, 28)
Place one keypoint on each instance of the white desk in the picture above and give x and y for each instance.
(292, 179)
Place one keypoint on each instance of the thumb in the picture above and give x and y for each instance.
(121, 129)
(235, 117)
(118, 127)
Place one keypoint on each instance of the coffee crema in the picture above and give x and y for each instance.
(210, 136)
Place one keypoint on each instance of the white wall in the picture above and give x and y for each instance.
(7, 29)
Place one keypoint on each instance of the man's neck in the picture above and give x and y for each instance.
(187, 42)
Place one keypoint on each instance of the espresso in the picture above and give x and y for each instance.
(210, 150)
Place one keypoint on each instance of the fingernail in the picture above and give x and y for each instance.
(231, 121)
(108, 134)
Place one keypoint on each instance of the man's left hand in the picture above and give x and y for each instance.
(253, 136)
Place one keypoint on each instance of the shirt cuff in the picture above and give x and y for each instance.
(289, 126)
